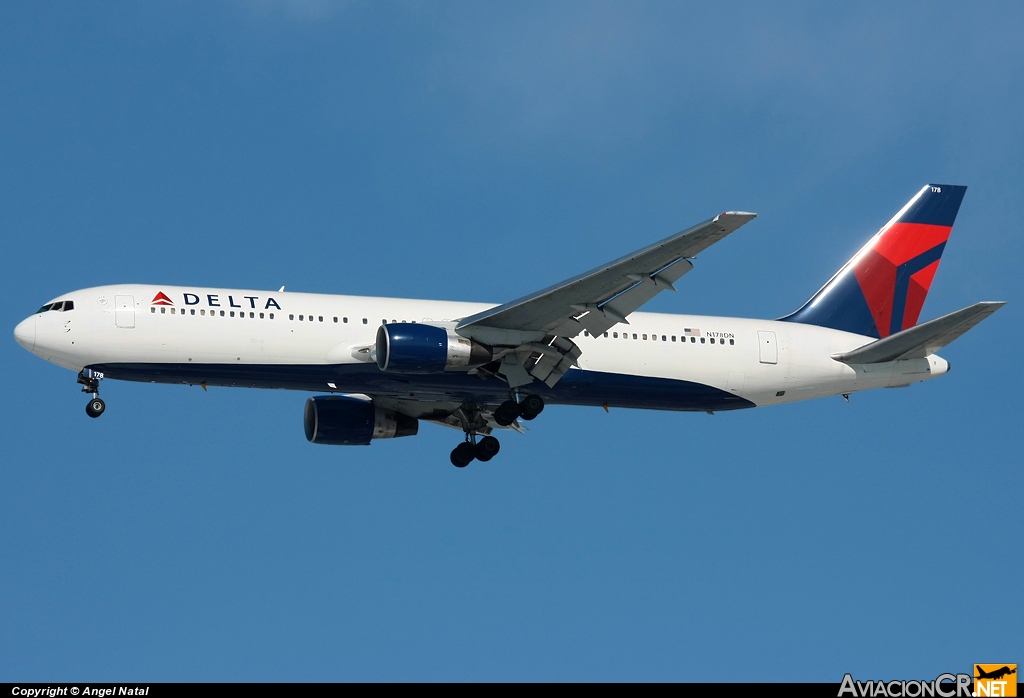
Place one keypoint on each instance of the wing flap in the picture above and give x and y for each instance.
(922, 340)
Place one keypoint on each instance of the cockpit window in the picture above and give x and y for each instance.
(59, 305)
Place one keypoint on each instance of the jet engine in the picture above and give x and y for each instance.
(417, 348)
(338, 420)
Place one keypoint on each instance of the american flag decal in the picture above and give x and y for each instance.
(691, 333)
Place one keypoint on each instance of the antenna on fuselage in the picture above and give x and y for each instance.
(281, 290)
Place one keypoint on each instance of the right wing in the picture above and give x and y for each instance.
(534, 333)
(922, 340)
(604, 296)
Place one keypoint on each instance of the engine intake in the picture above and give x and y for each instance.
(417, 348)
(337, 420)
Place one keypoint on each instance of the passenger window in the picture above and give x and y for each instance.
(335, 319)
(663, 338)
(615, 335)
(261, 316)
(271, 316)
(712, 340)
(222, 313)
(645, 336)
(345, 320)
(172, 311)
(290, 316)
(585, 333)
(301, 317)
(731, 342)
(311, 318)
(634, 335)
(673, 338)
(252, 314)
(364, 321)
(163, 310)
(232, 313)
(152, 310)
(321, 318)
(693, 340)
(606, 335)
(701, 340)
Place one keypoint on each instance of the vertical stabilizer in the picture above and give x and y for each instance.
(882, 289)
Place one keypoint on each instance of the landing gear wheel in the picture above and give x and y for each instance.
(531, 406)
(95, 407)
(506, 413)
(487, 448)
(463, 454)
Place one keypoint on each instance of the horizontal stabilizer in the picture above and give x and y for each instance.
(922, 340)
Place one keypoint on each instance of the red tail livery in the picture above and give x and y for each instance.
(882, 289)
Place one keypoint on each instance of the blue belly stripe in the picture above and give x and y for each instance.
(577, 387)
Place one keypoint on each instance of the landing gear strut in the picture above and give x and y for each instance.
(90, 381)
(510, 410)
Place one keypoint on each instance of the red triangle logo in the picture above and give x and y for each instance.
(161, 299)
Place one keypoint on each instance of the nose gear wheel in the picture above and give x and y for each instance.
(90, 381)
(95, 407)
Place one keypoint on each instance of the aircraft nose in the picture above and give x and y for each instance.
(25, 333)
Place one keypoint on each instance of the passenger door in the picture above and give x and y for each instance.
(124, 311)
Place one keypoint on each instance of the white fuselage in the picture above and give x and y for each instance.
(255, 338)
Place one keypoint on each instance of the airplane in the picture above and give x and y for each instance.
(382, 365)
(996, 674)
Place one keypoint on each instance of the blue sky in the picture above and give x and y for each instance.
(480, 152)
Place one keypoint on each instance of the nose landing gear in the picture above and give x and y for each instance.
(90, 381)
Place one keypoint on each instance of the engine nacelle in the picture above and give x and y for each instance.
(416, 348)
(337, 420)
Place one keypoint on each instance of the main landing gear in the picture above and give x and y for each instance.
(510, 410)
(487, 447)
(482, 450)
(90, 381)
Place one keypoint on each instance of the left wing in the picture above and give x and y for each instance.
(543, 324)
